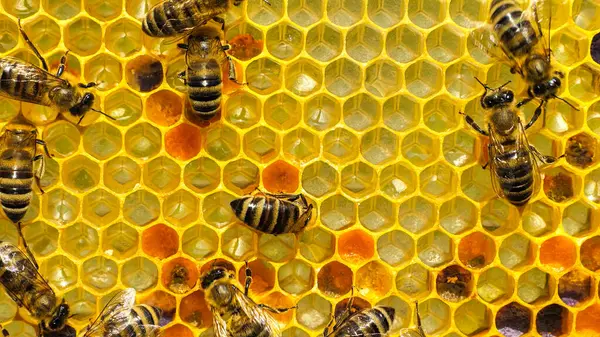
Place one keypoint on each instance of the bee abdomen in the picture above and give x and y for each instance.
(515, 33)
(168, 18)
(20, 80)
(266, 214)
(204, 88)
(517, 182)
(376, 321)
(142, 315)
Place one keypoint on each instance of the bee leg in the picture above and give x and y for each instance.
(546, 160)
(62, 65)
(473, 124)
(327, 330)
(419, 325)
(524, 101)
(32, 47)
(182, 46)
(232, 74)
(536, 115)
(4, 331)
(181, 76)
(40, 171)
(43, 143)
(303, 219)
(248, 280)
(275, 310)
(87, 85)
(29, 253)
(221, 21)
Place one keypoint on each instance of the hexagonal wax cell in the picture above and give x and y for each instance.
(494, 284)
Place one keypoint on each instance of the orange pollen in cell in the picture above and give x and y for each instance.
(281, 177)
(183, 142)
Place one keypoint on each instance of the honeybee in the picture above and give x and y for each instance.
(23, 81)
(513, 38)
(273, 213)
(513, 166)
(121, 317)
(205, 54)
(377, 321)
(24, 284)
(173, 17)
(234, 313)
(18, 146)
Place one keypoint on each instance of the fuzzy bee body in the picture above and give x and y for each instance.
(273, 213)
(205, 55)
(512, 160)
(172, 17)
(23, 81)
(24, 284)
(121, 317)
(376, 321)
(516, 38)
(18, 144)
(234, 313)
(515, 31)
(142, 315)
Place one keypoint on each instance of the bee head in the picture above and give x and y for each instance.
(60, 316)
(216, 274)
(501, 97)
(83, 106)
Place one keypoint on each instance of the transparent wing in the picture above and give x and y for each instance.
(485, 40)
(540, 12)
(523, 144)
(17, 262)
(219, 325)
(22, 73)
(495, 148)
(115, 316)
(183, 6)
(257, 314)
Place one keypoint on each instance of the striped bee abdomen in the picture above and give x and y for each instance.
(515, 32)
(204, 89)
(16, 179)
(142, 318)
(174, 17)
(21, 80)
(376, 321)
(515, 174)
(267, 214)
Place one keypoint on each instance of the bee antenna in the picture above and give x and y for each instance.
(564, 100)
(483, 84)
(502, 86)
(105, 114)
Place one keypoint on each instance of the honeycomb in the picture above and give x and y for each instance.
(354, 103)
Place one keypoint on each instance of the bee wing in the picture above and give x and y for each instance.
(26, 269)
(114, 317)
(523, 143)
(28, 73)
(219, 325)
(258, 314)
(492, 155)
(485, 40)
(540, 12)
